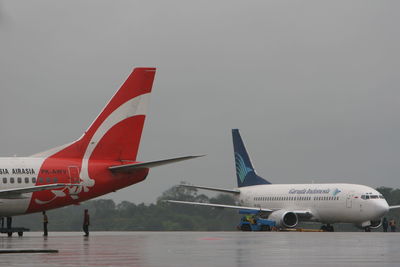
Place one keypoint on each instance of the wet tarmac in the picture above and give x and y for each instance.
(205, 249)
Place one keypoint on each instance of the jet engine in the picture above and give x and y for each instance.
(284, 218)
(369, 224)
(375, 224)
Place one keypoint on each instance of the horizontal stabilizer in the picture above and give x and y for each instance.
(223, 190)
(16, 192)
(151, 164)
(219, 205)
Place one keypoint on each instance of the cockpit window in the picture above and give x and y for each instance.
(372, 197)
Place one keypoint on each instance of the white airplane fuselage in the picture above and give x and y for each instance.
(289, 204)
(328, 203)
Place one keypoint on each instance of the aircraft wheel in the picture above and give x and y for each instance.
(265, 228)
(246, 227)
(329, 228)
(20, 233)
(367, 229)
(9, 234)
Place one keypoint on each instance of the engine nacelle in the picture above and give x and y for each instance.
(375, 224)
(284, 218)
(370, 224)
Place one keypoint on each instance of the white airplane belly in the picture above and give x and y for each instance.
(11, 207)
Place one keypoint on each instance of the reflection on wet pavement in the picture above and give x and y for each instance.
(205, 249)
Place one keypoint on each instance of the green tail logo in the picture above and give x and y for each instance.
(241, 169)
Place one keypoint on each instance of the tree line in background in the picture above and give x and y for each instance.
(105, 215)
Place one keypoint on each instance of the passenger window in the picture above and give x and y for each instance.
(41, 180)
(33, 180)
(26, 180)
(4, 180)
(48, 180)
(19, 180)
(12, 180)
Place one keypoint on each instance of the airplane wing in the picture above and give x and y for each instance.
(303, 214)
(394, 207)
(142, 165)
(220, 205)
(16, 193)
(223, 190)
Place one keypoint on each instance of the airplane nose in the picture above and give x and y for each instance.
(382, 207)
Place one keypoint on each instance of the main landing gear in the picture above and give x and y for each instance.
(367, 229)
(327, 228)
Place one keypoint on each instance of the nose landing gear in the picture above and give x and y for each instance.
(327, 228)
(367, 229)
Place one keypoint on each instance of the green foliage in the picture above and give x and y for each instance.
(392, 196)
(105, 215)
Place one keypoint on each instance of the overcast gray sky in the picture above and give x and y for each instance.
(312, 85)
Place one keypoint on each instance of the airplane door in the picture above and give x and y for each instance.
(349, 201)
(74, 174)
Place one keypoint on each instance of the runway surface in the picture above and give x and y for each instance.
(205, 249)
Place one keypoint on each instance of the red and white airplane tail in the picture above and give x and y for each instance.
(115, 134)
(101, 161)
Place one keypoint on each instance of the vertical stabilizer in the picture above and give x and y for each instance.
(115, 134)
(245, 173)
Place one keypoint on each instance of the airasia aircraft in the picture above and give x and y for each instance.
(101, 161)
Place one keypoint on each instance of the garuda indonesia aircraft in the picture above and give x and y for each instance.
(287, 204)
(101, 161)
